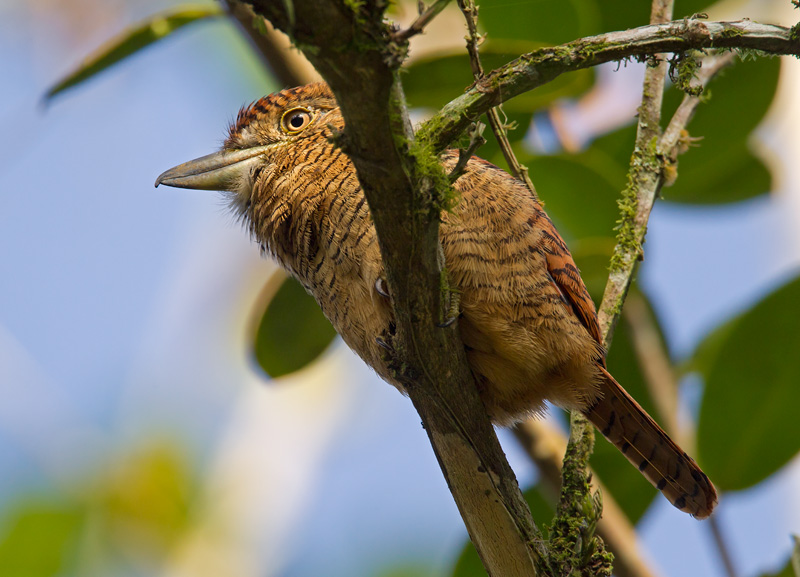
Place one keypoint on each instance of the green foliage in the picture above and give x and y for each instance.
(622, 14)
(133, 40)
(292, 331)
(38, 537)
(132, 513)
(792, 566)
(580, 192)
(747, 429)
(145, 502)
(534, 20)
(433, 82)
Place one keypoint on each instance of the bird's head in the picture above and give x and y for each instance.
(261, 134)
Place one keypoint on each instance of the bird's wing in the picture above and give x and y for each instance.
(567, 278)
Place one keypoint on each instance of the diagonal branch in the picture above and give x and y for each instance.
(644, 184)
(581, 439)
(645, 179)
(542, 66)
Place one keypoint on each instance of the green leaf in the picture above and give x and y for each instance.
(533, 20)
(721, 166)
(624, 14)
(469, 563)
(747, 428)
(434, 81)
(580, 192)
(133, 40)
(38, 537)
(147, 500)
(786, 571)
(292, 331)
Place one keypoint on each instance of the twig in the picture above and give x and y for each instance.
(722, 547)
(473, 39)
(418, 25)
(275, 50)
(656, 366)
(546, 446)
(644, 183)
(581, 438)
(476, 140)
(542, 66)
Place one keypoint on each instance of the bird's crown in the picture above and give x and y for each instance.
(280, 116)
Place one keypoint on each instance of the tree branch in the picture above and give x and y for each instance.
(576, 474)
(418, 25)
(644, 183)
(645, 178)
(275, 50)
(354, 50)
(546, 447)
(542, 66)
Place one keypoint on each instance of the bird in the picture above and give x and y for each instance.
(527, 323)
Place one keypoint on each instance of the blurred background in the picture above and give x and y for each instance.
(140, 436)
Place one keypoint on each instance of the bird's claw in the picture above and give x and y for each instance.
(448, 321)
(384, 345)
(381, 288)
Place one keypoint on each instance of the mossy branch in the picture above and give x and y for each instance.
(579, 508)
(653, 156)
(541, 66)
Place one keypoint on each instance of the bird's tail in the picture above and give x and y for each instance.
(623, 422)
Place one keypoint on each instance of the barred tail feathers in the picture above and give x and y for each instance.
(625, 424)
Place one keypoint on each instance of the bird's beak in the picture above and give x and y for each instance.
(221, 170)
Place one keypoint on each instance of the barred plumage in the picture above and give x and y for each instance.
(528, 324)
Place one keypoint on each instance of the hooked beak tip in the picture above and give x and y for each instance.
(218, 171)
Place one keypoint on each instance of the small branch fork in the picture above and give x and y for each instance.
(424, 18)
(536, 68)
(646, 175)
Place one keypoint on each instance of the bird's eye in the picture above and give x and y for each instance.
(295, 120)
